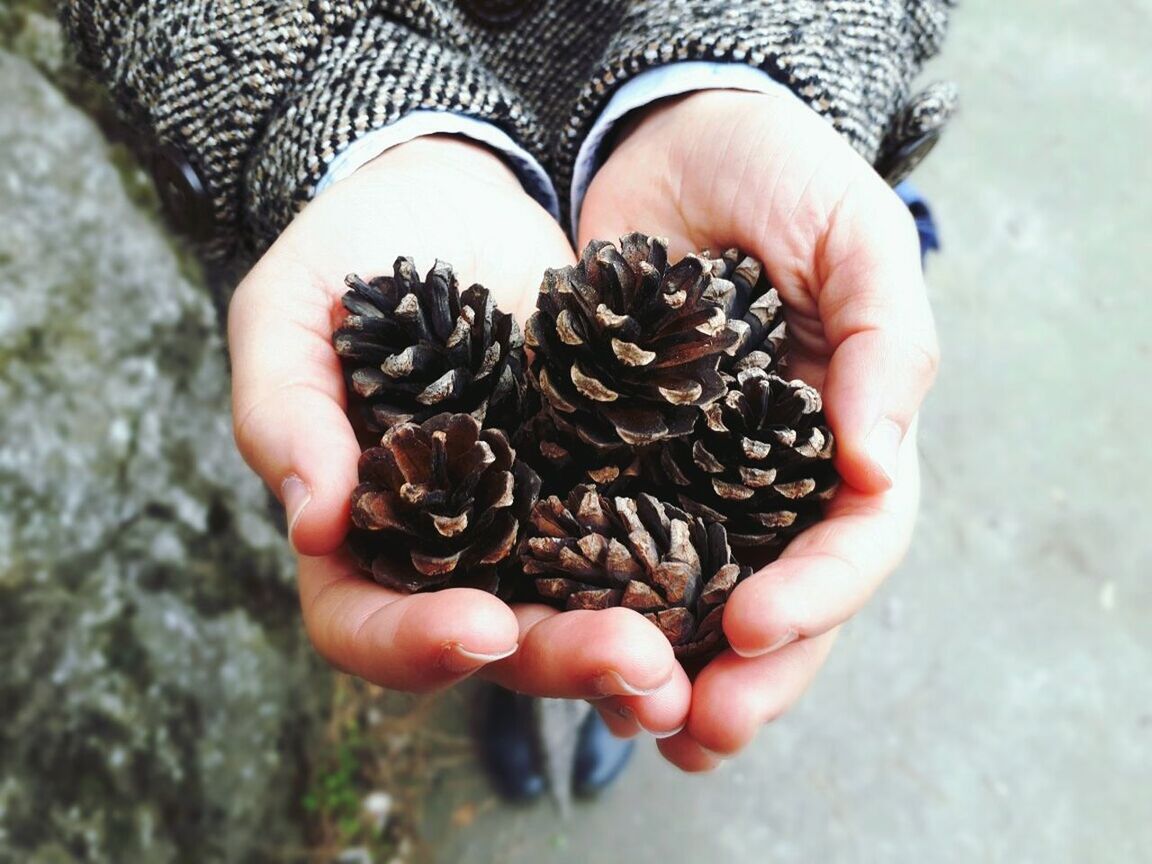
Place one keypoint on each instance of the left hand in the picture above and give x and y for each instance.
(432, 197)
(764, 173)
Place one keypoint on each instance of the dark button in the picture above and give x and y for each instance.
(497, 13)
(186, 201)
(900, 162)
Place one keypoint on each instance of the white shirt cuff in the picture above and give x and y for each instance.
(675, 79)
(532, 175)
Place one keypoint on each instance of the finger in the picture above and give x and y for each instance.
(586, 654)
(288, 404)
(416, 642)
(733, 696)
(827, 574)
(661, 714)
(876, 317)
(682, 751)
(620, 721)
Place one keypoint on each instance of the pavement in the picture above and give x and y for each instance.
(994, 702)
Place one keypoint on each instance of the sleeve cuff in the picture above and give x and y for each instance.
(674, 79)
(416, 124)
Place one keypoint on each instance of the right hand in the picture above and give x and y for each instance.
(766, 174)
(431, 198)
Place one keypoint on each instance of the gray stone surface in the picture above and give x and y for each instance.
(994, 703)
(154, 682)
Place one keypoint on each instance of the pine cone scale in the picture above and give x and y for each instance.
(591, 388)
(678, 625)
(375, 510)
(721, 585)
(602, 598)
(676, 581)
(502, 544)
(641, 597)
(631, 354)
(435, 565)
(640, 428)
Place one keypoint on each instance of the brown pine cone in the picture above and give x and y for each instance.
(760, 463)
(566, 456)
(594, 552)
(412, 349)
(741, 288)
(440, 504)
(626, 346)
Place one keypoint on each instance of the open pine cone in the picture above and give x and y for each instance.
(626, 346)
(741, 288)
(412, 349)
(593, 552)
(760, 462)
(440, 504)
(554, 447)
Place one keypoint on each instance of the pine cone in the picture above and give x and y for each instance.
(627, 347)
(440, 504)
(760, 462)
(565, 456)
(593, 552)
(412, 349)
(742, 290)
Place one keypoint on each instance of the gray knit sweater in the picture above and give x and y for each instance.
(259, 95)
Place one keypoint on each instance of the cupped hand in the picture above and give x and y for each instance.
(764, 173)
(432, 198)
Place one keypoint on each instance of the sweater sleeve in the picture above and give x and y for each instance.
(853, 61)
(258, 96)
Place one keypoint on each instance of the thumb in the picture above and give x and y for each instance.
(884, 351)
(288, 404)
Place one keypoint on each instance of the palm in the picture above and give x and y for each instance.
(705, 190)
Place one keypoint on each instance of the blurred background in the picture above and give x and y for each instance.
(159, 703)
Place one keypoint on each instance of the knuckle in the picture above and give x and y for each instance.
(773, 712)
(923, 356)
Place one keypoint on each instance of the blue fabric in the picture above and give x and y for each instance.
(925, 223)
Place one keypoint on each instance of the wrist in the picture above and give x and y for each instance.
(446, 156)
(684, 117)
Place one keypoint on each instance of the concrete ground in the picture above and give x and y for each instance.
(994, 703)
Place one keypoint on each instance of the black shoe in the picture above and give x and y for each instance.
(600, 757)
(506, 741)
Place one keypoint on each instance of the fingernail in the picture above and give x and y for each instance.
(719, 757)
(624, 727)
(612, 684)
(789, 637)
(667, 734)
(295, 494)
(883, 446)
(458, 660)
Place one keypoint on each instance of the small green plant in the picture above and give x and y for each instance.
(336, 794)
(378, 747)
